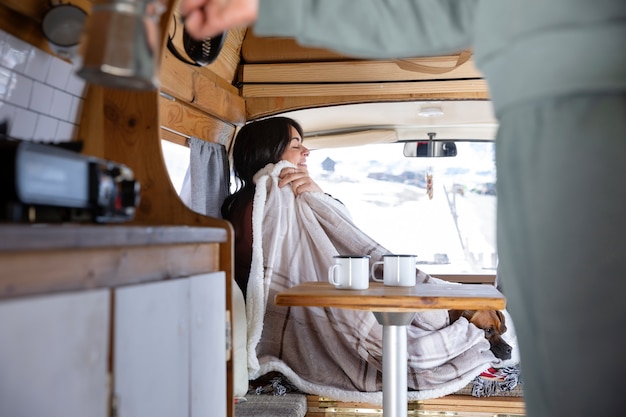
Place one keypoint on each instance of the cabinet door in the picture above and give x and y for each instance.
(53, 355)
(151, 349)
(208, 345)
(170, 348)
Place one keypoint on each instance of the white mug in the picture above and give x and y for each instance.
(350, 272)
(63, 26)
(398, 270)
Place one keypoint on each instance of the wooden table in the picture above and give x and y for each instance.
(394, 308)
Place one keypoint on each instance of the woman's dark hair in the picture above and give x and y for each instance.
(259, 143)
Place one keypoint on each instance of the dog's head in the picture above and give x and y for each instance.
(493, 324)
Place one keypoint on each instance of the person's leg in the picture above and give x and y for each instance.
(562, 250)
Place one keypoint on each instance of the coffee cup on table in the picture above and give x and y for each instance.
(350, 272)
(398, 270)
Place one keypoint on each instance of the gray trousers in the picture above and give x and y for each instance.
(562, 249)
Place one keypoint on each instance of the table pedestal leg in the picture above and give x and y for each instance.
(394, 362)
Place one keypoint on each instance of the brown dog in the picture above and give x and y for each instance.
(492, 322)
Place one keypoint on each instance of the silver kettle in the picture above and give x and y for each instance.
(122, 44)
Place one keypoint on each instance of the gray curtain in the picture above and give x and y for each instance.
(207, 182)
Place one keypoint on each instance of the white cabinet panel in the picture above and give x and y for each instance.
(208, 345)
(169, 348)
(151, 349)
(53, 355)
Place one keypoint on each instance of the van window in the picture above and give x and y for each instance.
(176, 159)
(452, 230)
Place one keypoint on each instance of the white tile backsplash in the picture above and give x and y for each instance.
(20, 90)
(15, 53)
(23, 124)
(40, 95)
(41, 98)
(38, 64)
(76, 86)
(6, 78)
(7, 112)
(76, 109)
(65, 131)
(59, 73)
(46, 128)
(61, 105)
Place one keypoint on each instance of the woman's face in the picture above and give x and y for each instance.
(296, 152)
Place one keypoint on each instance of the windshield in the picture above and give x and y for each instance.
(451, 227)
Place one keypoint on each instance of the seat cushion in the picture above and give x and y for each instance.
(288, 405)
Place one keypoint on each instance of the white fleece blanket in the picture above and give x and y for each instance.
(331, 352)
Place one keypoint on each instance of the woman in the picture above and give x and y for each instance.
(324, 351)
(257, 144)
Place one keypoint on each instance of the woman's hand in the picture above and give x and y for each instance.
(207, 18)
(299, 180)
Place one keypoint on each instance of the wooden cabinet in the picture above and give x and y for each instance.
(210, 329)
(114, 320)
(166, 243)
(54, 355)
(151, 349)
(168, 353)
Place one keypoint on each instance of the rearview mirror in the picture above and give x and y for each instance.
(429, 149)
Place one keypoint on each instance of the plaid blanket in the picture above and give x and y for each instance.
(338, 352)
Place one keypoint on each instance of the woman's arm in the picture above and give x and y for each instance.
(361, 28)
(372, 28)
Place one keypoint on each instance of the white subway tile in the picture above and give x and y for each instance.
(61, 105)
(46, 128)
(38, 64)
(32, 108)
(41, 98)
(59, 73)
(6, 80)
(65, 132)
(76, 110)
(7, 113)
(14, 53)
(20, 90)
(3, 37)
(76, 85)
(23, 125)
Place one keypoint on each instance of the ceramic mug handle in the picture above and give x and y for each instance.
(372, 271)
(332, 277)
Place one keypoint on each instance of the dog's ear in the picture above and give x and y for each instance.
(502, 321)
(469, 314)
(454, 315)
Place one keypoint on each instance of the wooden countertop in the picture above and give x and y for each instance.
(17, 237)
(43, 259)
(381, 298)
